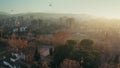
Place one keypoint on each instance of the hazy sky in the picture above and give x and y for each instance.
(106, 8)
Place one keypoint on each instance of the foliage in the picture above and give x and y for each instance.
(71, 44)
(67, 63)
(61, 37)
(51, 51)
(34, 66)
(37, 55)
(62, 52)
(86, 42)
(45, 64)
(18, 43)
(116, 59)
(86, 55)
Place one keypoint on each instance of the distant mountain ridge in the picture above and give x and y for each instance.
(42, 15)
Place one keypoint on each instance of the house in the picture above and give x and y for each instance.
(12, 60)
(45, 52)
(21, 29)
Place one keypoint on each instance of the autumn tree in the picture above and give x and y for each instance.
(18, 43)
(45, 64)
(61, 37)
(67, 63)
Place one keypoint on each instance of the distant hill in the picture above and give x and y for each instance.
(46, 15)
(86, 18)
(54, 15)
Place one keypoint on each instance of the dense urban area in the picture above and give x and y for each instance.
(53, 40)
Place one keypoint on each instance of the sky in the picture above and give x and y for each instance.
(104, 8)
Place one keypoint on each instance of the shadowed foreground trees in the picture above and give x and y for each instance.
(86, 55)
(62, 52)
(37, 59)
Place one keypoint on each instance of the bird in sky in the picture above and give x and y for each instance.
(50, 5)
(11, 10)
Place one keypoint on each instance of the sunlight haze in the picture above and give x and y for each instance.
(102, 8)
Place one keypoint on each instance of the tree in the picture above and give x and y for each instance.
(62, 52)
(37, 59)
(71, 44)
(86, 42)
(37, 55)
(116, 59)
(45, 65)
(61, 37)
(51, 51)
(67, 63)
(18, 43)
(86, 55)
(34, 66)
